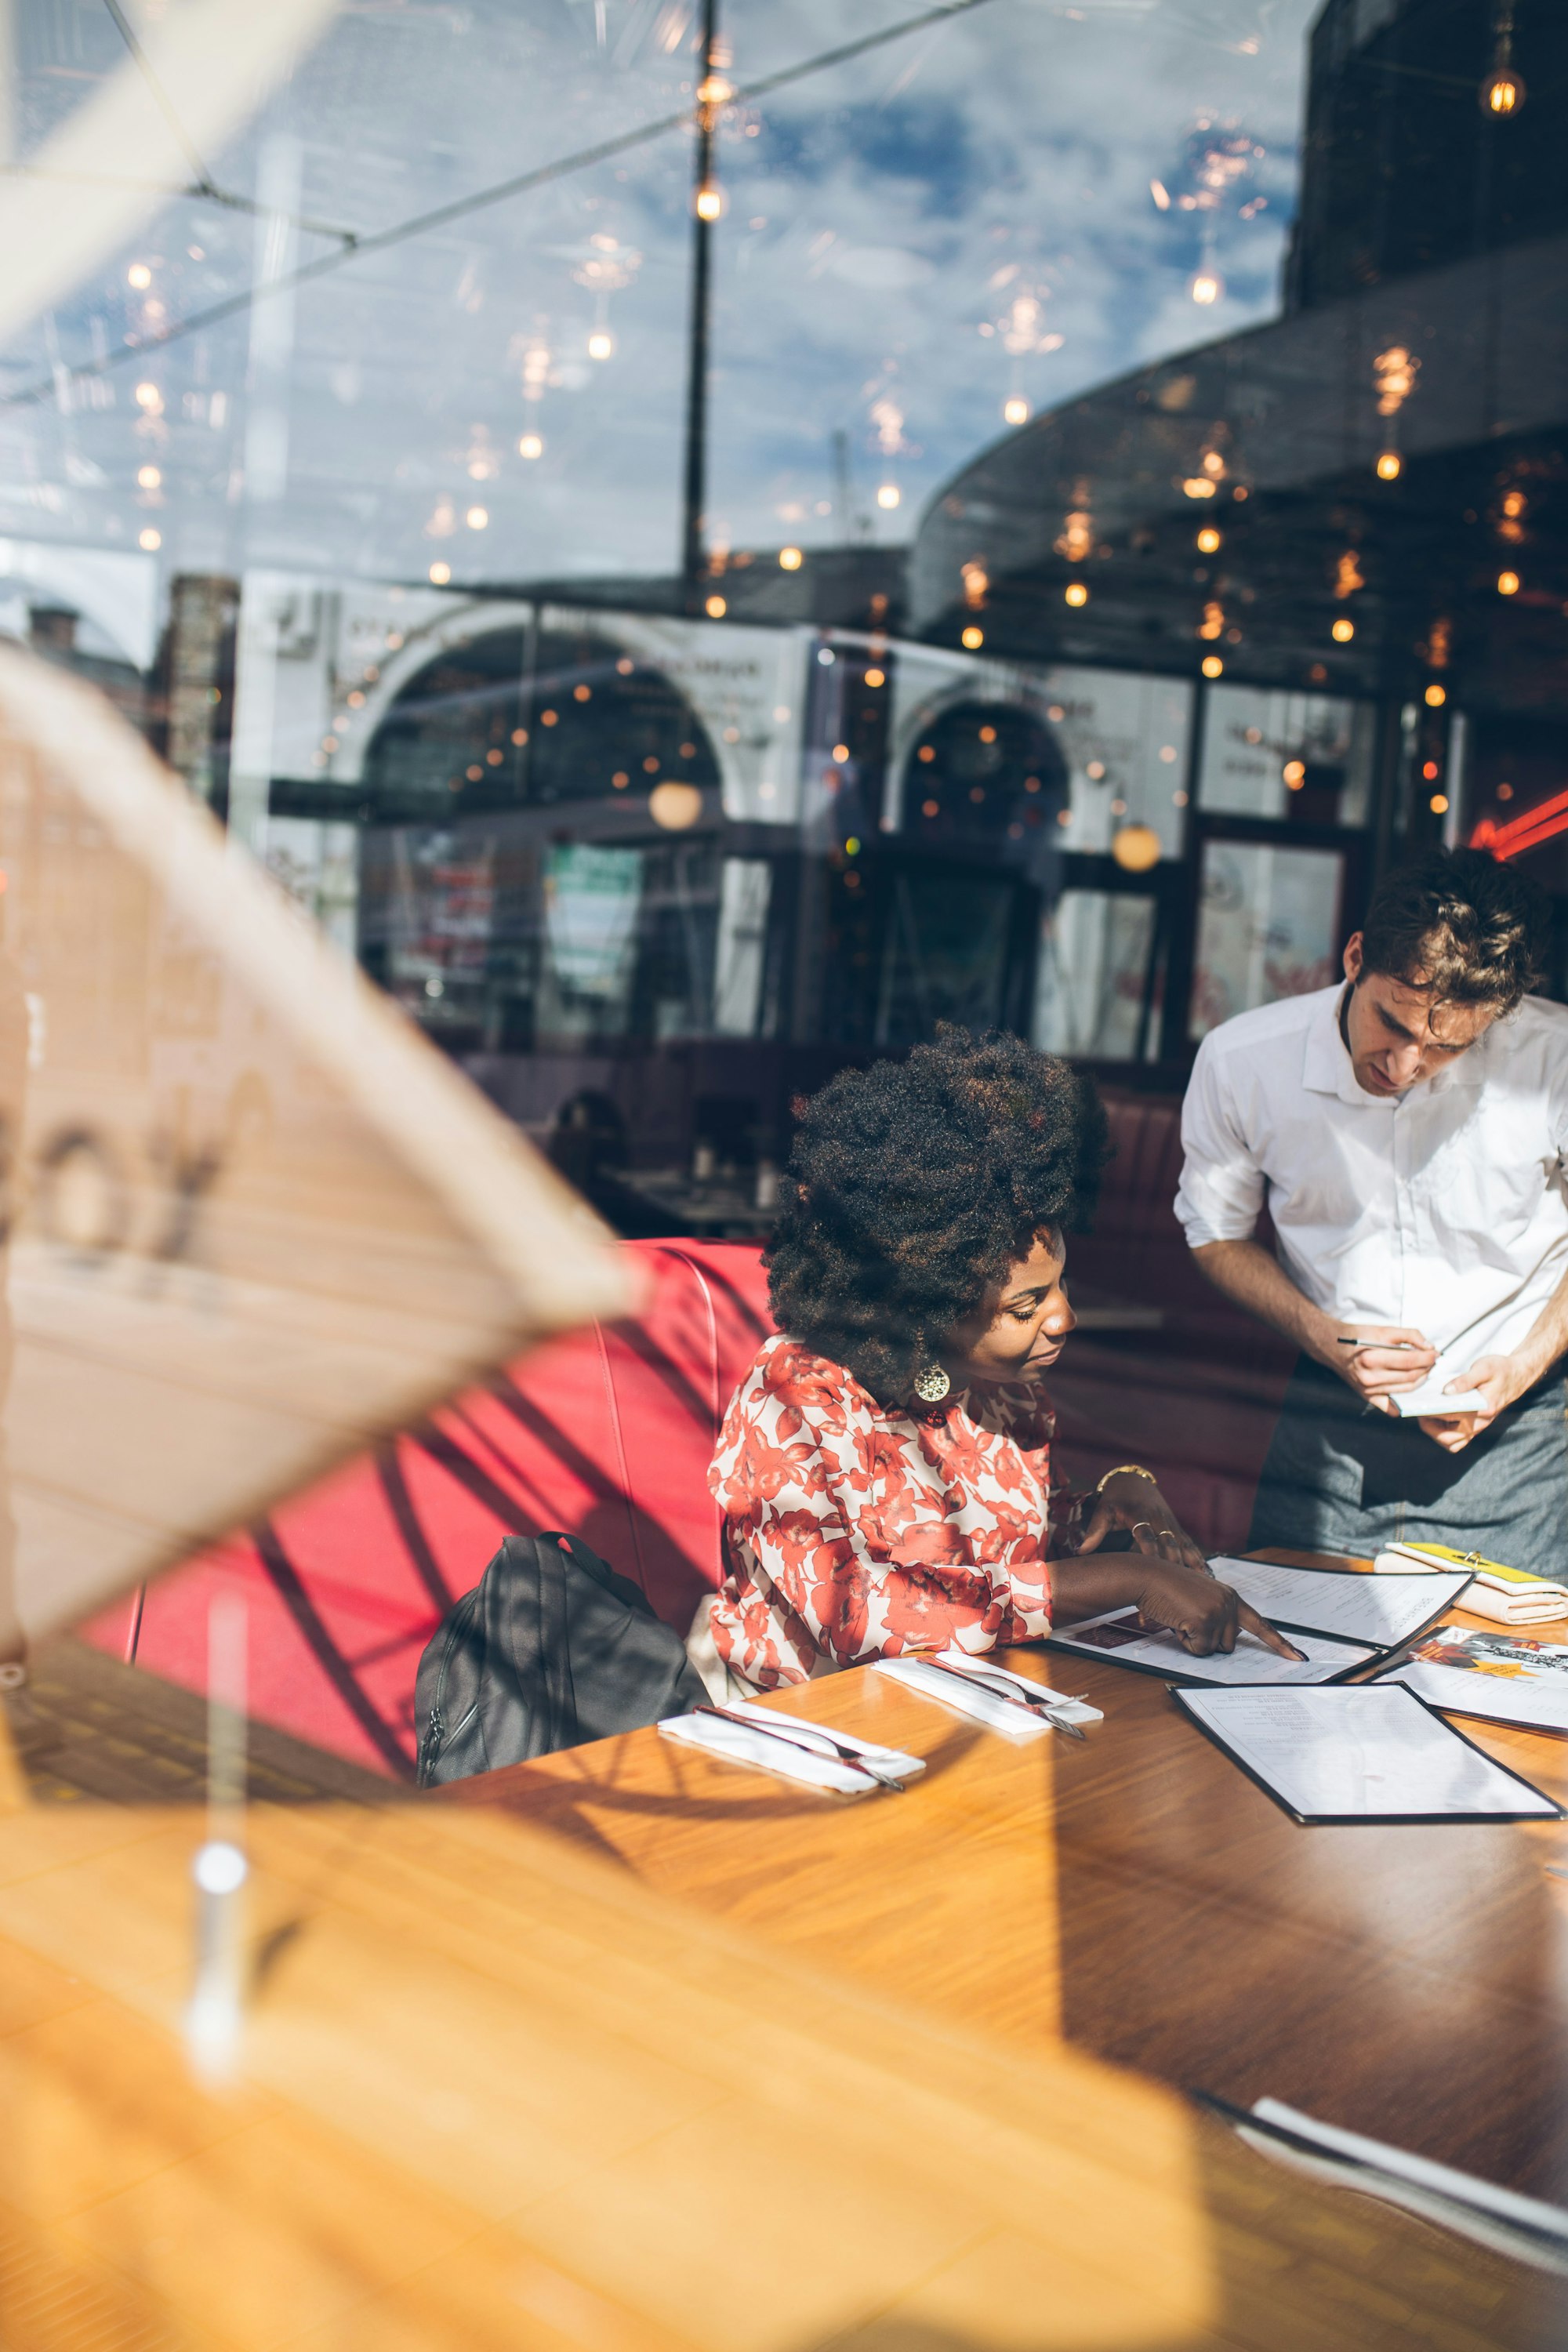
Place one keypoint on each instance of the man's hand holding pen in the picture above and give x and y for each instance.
(1377, 1359)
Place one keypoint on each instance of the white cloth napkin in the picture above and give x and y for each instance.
(820, 1769)
(997, 1714)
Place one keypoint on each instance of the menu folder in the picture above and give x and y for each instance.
(1369, 1753)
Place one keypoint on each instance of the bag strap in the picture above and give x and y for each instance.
(608, 1580)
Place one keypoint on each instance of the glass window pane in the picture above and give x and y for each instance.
(1306, 756)
(1267, 926)
(1099, 988)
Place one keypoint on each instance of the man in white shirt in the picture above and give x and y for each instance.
(1407, 1133)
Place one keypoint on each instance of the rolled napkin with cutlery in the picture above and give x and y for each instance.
(1509, 1596)
(793, 1749)
(993, 1695)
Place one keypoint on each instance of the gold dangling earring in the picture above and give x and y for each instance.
(931, 1383)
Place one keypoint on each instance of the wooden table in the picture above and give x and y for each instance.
(498, 2092)
(1138, 1897)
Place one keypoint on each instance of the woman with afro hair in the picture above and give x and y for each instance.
(884, 1467)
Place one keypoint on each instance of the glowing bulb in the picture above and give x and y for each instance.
(151, 540)
(1343, 631)
(1436, 696)
(1206, 287)
(148, 478)
(1389, 466)
(715, 608)
(1198, 486)
(439, 574)
(601, 344)
(1502, 92)
(1136, 848)
(476, 518)
(1075, 592)
(789, 559)
(676, 807)
(1439, 803)
(1295, 774)
(1208, 539)
(709, 201)
(531, 446)
(889, 494)
(1213, 666)
(973, 639)
(715, 91)
(1016, 410)
(840, 752)
(149, 397)
(138, 276)
(1508, 583)
(875, 678)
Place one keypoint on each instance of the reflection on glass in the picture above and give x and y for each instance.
(1100, 982)
(1267, 926)
(1306, 757)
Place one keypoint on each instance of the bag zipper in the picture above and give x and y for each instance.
(435, 1737)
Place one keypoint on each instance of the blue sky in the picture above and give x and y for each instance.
(963, 216)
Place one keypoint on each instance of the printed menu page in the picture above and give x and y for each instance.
(1118, 1636)
(1367, 1753)
(1382, 1610)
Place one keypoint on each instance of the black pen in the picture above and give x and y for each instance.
(1342, 1342)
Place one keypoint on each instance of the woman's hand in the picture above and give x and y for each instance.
(1129, 1500)
(1204, 1615)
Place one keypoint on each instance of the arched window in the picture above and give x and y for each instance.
(987, 777)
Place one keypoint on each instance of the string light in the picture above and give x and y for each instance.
(148, 478)
(1508, 583)
(477, 518)
(601, 344)
(888, 496)
(1075, 592)
(1209, 541)
(1198, 486)
(1213, 666)
(789, 559)
(138, 276)
(1343, 631)
(716, 608)
(151, 540)
(1389, 466)
(1436, 696)
(531, 446)
(1016, 411)
(1206, 287)
(973, 639)
(709, 201)
(439, 574)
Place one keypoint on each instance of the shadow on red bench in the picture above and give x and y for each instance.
(608, 1433)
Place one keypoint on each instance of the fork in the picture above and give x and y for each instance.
(802, 1740)
(1045, 1705)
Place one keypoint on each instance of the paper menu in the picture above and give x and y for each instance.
(1490, 1675)
(1118, 1636)
(1368, 1752)
(1382, 1610)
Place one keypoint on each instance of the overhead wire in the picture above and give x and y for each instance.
(460, 207)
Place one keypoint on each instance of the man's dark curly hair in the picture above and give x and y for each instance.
(1457, 921)
(913, 1186)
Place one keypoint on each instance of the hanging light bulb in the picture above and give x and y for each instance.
(1209, 541)
(888, 496)
(1502, 91)
(1343, 631)
(1206, 285)
(601, 344)
(1016, 411)
(1075, 592)
(709, 201)
(1389, 466)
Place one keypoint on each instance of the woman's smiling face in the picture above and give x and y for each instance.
(1024, 1324)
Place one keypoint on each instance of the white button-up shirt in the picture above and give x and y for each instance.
(1445, 1209)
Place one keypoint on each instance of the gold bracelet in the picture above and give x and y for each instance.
(1129, 1470)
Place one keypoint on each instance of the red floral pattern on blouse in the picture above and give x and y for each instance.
(854, 1530)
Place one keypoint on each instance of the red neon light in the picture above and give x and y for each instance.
(1522, 833)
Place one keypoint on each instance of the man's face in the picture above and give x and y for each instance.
(1397, 1034)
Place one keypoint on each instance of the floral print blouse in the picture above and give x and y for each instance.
(855, 1530)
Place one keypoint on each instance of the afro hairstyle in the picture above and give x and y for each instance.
(913, 1188)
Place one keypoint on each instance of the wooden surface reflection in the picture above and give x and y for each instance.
(1137, 1897)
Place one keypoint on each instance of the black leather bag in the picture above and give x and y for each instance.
(550, 1648)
